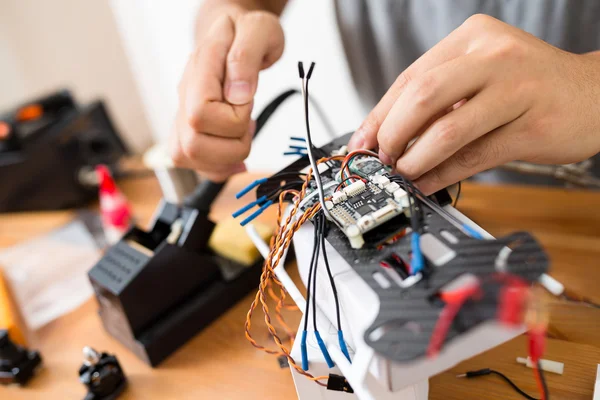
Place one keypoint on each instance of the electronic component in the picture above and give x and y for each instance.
(53, 141)
(17, 364)
(338, 197)
(381, 181)
(102, 374)
(368, 166)
(392, 187)
(354, 188)
(366, 206)
(401, 197)
(339, 384)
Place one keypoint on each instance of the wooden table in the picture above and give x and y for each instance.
(219, 363)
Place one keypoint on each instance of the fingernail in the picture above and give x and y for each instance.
(385, 158)
(238, 168)
(357, 141)
(239, 92)
(424, 186)
(252, 128)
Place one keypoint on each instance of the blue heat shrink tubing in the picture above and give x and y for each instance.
(249, 206)
(326, 355)
(343, 346)
(418, 263)
(304, 352)
(250, 187)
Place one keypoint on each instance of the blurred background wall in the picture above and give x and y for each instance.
(47, 45)
(131, 53)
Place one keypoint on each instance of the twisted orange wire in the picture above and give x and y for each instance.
(280, 242)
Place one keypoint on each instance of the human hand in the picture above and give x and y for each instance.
(213, 129)
(485, 95)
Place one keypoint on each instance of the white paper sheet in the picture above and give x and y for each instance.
(48, 274)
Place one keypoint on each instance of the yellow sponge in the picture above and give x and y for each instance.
(231, 241)
(8, 319)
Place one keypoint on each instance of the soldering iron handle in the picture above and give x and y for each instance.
(204, 195)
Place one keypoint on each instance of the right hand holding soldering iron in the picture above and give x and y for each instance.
(213, 127)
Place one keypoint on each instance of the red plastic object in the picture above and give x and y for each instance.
(513, 303)
(537, 344)
(114, 208)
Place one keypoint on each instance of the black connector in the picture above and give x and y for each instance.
(301, 69)
(310, 70)
(17, 364)
(488, 371)
(338, 383)
(102, 375)
(473, 374)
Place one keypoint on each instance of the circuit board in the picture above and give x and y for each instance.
(409, 308)
(362, 207)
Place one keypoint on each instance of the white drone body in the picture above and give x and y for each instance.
(370, 375)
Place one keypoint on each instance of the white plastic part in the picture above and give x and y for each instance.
(342, 151)
(381, 181)
(176, 230)
(338, 197)
(354, 188)
(435, 250)
(322, 167)
(382, 280)
(552, 285)
(392, 187)
(502, 259)
(328, 204)
(400, 194)
(263, 248)
(356, 242)
(597, 386)
(547, 365)
(365, 222)
(385, 213)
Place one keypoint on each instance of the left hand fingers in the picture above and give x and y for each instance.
(497, 148)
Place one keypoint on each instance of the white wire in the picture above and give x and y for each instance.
(311, 157)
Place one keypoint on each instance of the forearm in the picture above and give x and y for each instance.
(212, 9)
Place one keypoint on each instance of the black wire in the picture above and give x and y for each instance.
(544, 385)
(584, 302)
(457, 194)
(314, 288)
(514, 386)
(414, 222)
(487, 371)
(268, 111)
(309, 144)
(310, 272)
(205, 193)
(331, 280)
(295, 174)
(288, 185)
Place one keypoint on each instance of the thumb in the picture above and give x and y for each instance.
(257, 45)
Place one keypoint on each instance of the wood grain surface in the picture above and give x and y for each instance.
(220, 364)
